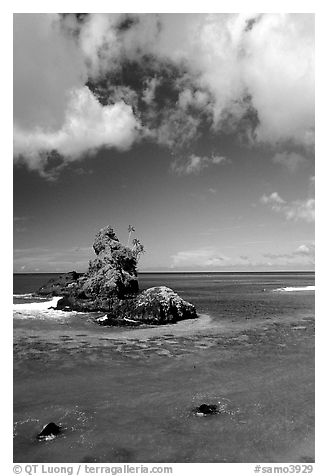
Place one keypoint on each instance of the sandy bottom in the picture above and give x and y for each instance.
(129, 395)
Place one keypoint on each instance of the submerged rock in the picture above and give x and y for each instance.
(49, 431)
(206, 409)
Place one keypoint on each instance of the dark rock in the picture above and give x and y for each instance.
(158, 305)
(118, 321)
(49, 431)
(111, 275)
(206, 409)
(59, 286)
(111, 285)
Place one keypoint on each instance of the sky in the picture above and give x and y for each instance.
(197, 129)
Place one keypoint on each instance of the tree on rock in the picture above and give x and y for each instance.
(138, 249)
(131, 230)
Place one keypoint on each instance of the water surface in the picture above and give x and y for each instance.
(125, 395)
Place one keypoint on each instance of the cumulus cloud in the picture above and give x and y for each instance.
(231, 70)
(296, 210)
(301, 210)
(194, 164)
(47, 65)
(99, 43)
(279, 72)
(302, 255)
(274, 200)
(305, 250)
(87, 126)
(269, 58)
(207, 258)
(53, 109)
(212, 258)
(175, 129)
(149, 91)
(202, 257)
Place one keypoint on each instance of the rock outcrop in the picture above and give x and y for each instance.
(111, 285)
(158, 305)
(111, 275)
(59, 286)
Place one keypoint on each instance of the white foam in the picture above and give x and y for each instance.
(23, 295)
(36, 306)
(41, 310)
(293, 289)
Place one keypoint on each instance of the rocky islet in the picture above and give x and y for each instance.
(111, 285)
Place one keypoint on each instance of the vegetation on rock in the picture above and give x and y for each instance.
(111, 285)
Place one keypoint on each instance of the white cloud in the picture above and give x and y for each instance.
(149, 91)
(53, 109)
(303, 256)
(220, 60)
(297, 210)
(210, 258)
(198, 99)
(273, 62)
(194, 164)
(274, 200)
(87, 126)
(175, 129)
(306, 250)
(202, 257)
(279, 73)
(303, 210)
(99, 43)
(47, 65)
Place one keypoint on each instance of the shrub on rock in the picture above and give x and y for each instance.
(111, 285)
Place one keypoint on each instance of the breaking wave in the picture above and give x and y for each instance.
(297, 288)
(28, 295)
(36, 306)
(40, 310)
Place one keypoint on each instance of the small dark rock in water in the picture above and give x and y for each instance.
(49, 432)
(205, 409)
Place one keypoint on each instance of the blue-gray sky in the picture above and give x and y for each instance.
(196, 129)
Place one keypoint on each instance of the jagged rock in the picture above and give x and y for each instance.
(49, 431)
(59, 286)
(158, 305)
(111, 285)
(111, 275)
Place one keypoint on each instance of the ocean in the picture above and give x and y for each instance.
(129, 395)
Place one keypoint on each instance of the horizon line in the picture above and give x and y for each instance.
(184, 271)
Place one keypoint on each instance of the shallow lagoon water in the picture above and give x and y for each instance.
(127, 395)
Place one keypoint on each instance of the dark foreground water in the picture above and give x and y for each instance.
(127, 395)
